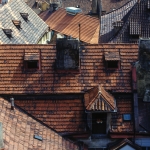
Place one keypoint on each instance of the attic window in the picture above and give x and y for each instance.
(67, 54)
(24, 16)
(112, 60)
(31, 61)
(8, 33)
(17, 23)
(126, 117)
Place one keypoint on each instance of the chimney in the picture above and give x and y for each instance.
(12, 103)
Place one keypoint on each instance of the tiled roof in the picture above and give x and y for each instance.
(112, 56)
(136, 26)
(67, 24)
(14, 79)
(28, 33)
(107, 28)
(122, 143)
(19, 130)
(84, 4)
(124, 106)
(62, 115)
(110, 5)
(97, 99)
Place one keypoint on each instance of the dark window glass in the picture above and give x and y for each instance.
(32, 64)
(112, 64)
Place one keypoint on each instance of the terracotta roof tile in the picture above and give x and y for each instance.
(98, 99)
(124, 106)
(67, 24)
(19, 130)
(112, 56)
(61, 115)
(48, 80)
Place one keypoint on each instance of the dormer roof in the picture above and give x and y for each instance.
(98, 99)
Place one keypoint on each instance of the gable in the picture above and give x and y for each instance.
(97, 99)
(127, 147)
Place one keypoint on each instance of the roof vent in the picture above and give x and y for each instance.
(73, 10)
(24, 16)
(17, 23)
(12, 103)
(8, 32)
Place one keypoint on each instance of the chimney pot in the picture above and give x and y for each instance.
(12, 103)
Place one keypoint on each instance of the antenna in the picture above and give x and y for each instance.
(79, 31)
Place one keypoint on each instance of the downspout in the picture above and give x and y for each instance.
(135, 102)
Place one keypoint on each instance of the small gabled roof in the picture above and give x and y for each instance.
(124, 143)
(97, 99)
(31, 30)
(62, 22)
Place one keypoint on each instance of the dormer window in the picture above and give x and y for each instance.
(32, 61)
(67, 54)
(17, 23)
(112, 60)
(24, 16)
(8, 33)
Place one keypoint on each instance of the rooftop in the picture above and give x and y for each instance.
(107, 29)
(16, 79)
(136, 26)
(19, 130)
(83, 27)
(27, 33)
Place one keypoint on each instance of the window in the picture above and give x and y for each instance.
(112, 64)
(112, 60)
(33, 64)
(17, 23)
(126, 117)
(8, 33)
(31, 61)
(24, 16)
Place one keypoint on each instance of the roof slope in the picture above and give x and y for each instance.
(67, 24)
(19, 129)
(98, 99)
(63, 115)
(28, 33)
(47, 80)
(107, 29)
(115, 4)
(136, 26)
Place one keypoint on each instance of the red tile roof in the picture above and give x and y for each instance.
(14, 79)
(97, 99)
(124, 106)
(61, 115)
(67, 24)
(19, 130)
